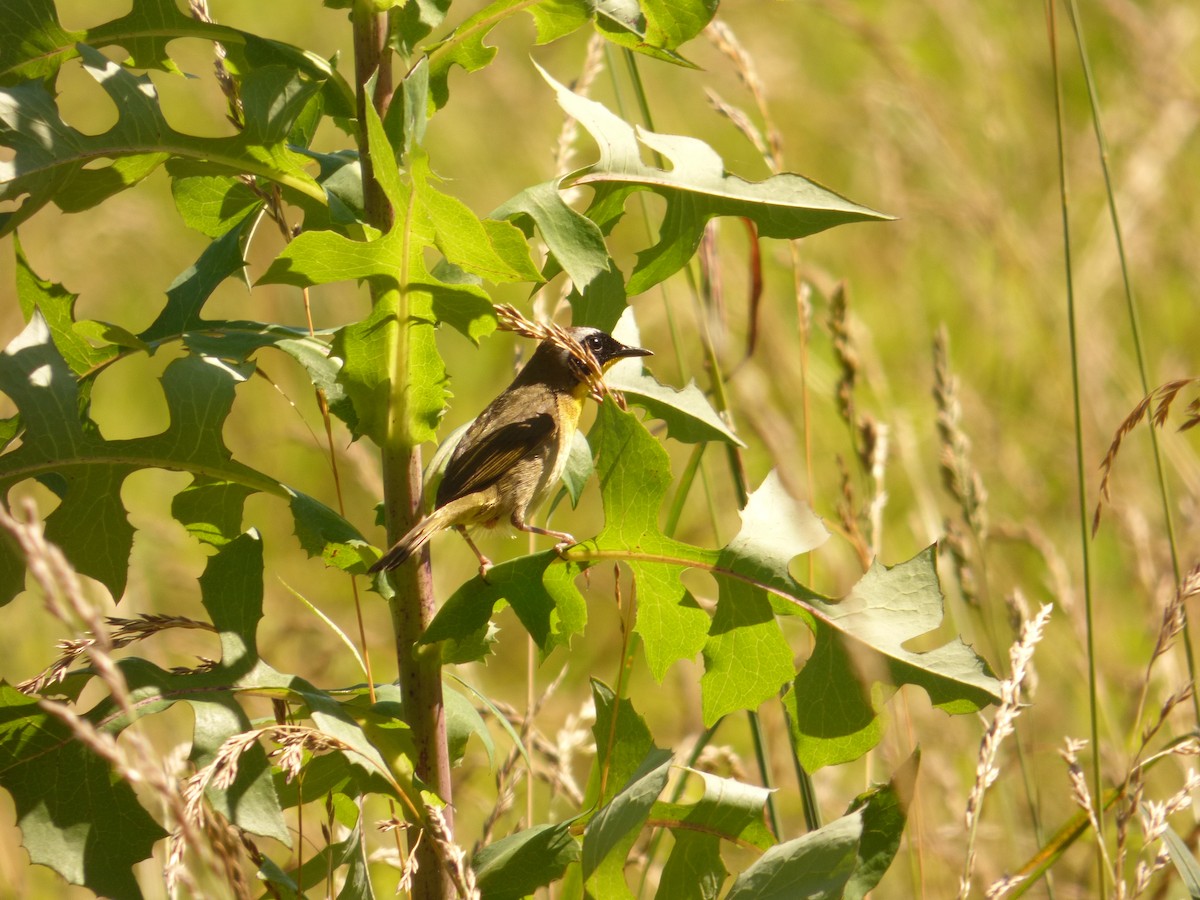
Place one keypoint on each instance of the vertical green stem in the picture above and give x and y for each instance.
(1136, 333)
(1085, 538)
(412, 605)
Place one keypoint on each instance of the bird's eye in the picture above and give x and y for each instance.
(595, 343)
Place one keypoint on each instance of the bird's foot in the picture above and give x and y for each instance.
(485, 566)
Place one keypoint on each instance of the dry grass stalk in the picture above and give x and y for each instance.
(1171, 625)
(593, 65)
(1155, 406)
(723, 38)
(453, 857)
(509, 774)
(1155, 816)
(127, 631)
(960, 477)
(1083, 797)
(1001, 727)
(510, 319)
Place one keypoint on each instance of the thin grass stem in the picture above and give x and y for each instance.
(1085, 537)
(1134, 327)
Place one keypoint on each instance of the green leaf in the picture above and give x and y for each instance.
(623, 745)
(516, 866)
(652, 27)
(576, 247)
(859, 653)
(672, 23)
(211, 510)
(57, 306)
(33, 44)
(54, 162)
(462, 721)
(424, 218)
(813, 867)
(634, 475)
(558, 18)
(63, 446)
(884, 812)
(729, 810)
(695, 188)
(462, 238)
(1185, 863)
(76, 816)
(688, 415)
(211, 204)
(465, 46)
(541, 590)
(412, 22)
(616, 826)
(191, 289)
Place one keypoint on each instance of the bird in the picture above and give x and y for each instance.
(516, 449)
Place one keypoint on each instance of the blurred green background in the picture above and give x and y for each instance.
(941, 114)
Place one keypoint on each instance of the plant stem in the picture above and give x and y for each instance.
(1085, 538)
(1136, 333)
(412, 605)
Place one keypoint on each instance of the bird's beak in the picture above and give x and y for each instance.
(632, 351)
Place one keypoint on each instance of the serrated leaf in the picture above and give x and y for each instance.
(623, 744)
(516, 866)
(397, 258)
(555, 19)
(695, 188)
(746, 656)
(634, 475)
(57, 306)
(813, 867)
(61, 444)
(191, 288)
(414, 21)
(33, 44)
(53, 162)
(211, 510)
(75, 816)
(462, 238)
(688, 415)
(465, 45)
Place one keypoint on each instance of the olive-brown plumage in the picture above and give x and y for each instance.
(515, 451)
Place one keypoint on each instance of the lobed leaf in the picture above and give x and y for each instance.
(53, 162)
(695, 187)
(62, 448)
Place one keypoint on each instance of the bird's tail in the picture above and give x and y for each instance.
(416, 538)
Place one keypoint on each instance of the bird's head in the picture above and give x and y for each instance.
(602, 348)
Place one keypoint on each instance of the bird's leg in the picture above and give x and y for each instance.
(485, 564)
(564, 540)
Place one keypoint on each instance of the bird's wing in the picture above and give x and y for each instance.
(493, 455)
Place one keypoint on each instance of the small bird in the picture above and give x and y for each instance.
(515, 451)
